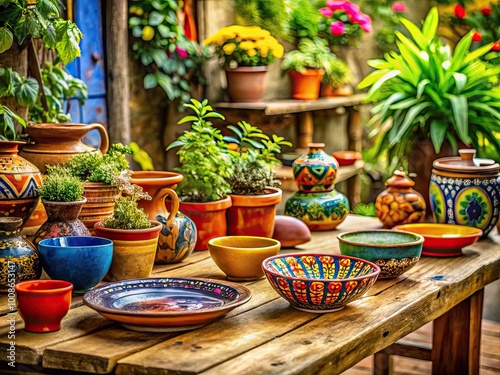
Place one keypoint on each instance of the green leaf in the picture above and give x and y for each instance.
(460, 110)
(460, 80)
(421, 86)
(187, 119)
(165, 83)
(481, 51)
(6, 39)
(155, 18)
(416, 34)
(372, 78)
(461, 49)
(49, 36)
(175, 144)
(20, 29)
(150, 81)
(438, 131)
(381, 81)
(67, 41)
(486, 108)
(431, 23)
(27, 92)
(410, 116)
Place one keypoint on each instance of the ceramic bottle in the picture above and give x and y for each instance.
(400, 203)
(317, 203)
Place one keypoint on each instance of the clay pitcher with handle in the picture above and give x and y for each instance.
(55, 143)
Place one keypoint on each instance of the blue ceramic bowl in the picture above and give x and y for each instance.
(83, 261)
(319, 283)
(395, 252)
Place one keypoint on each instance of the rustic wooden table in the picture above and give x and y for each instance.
(267, 336)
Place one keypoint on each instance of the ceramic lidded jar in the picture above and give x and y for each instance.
(19, 259)
(317, 203)
(400, 203)
(465, 190)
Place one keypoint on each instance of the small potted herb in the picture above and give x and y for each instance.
(134, 236)
(62, 198)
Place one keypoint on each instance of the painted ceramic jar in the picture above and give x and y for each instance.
(317, 203)
(466, 190)
(316, 170)
(19, 260)
(400, 203)
(19, 180)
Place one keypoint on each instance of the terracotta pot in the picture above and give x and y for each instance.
(19, 259)
(253, 215)
(305, 86)
(100, 202)
(246, 83)
(158, 184)
(19, 180)
(55, 143)
(62, 221)
(328, 91)
(134, 251)
(209, 219)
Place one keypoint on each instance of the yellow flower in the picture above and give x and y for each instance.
(251, 52)
(246, 45)
(278, 51)
(229, 48)
(264, 50)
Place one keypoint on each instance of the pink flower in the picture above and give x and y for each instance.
(337, 28)
(335, 5)
(327, 12)
(365, 22)
(398, 7)
(182, 52)
(351, 9)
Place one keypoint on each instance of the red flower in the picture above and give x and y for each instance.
(460, 11)
(486, 12)
(477, 37)
(496, 46)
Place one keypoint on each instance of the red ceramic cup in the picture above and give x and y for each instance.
(43, 303)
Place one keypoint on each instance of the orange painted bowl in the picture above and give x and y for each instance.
(319, 283)
(443, 240)
(166, 304)
(346, 157)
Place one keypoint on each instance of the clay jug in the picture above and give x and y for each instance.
(55, 143)
(19, 180)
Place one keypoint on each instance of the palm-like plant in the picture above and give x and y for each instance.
(427, 91)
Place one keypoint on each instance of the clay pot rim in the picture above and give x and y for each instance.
(156, 178)
(221, 204)
(419, 239)
(260, 68)
(54, 287)
(82, 201)
(273, 197)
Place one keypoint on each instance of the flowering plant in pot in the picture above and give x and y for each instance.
(308, 64)
(62, 198)
(254, 187)
(206, 166)
(134, 236)
(245, 52)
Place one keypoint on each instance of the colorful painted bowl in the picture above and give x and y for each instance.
(395, 252)
(346, 157)
(43, 303)
(319, 283)
(83, 261)
(443, 240)
(240, 257)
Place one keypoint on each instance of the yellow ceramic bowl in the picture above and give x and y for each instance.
(241, 257)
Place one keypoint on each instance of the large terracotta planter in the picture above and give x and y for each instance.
(305, 86)
(253, 215)
(209, 219)
(134, 251)
(62, 221)
(246, 83)
(19, 181)
(100, 203)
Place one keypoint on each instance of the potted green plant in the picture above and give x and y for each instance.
(308, 64)
(254, 187)
(62, 198)
(134, 236)
(206, 166)
(245, 52)
(429, 97)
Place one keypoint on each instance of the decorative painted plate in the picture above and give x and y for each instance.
(166, 304)
(443, 240)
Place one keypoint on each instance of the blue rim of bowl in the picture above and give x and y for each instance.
(107, 240)
(419, 241)
(370, 275)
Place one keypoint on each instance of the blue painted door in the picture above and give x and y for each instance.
(90, 67)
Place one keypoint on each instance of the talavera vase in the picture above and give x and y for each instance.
(317, 203)
(19, 259)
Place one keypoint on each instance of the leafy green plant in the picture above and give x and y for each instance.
(61, 187)
(254, 157)
(96, 166)
(365, 209)
(315, 54)
(303, 20)
(172, 61)
(428, 92)
(205, 163)
(59, 86)
(269, 15)
(126, 213)
(21, 22)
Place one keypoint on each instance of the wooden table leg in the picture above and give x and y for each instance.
(457, 338)
(355, 135)
(305, 129)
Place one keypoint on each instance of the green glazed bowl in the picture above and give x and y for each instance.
(395, 252)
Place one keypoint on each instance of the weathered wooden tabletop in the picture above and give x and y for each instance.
(265, 335)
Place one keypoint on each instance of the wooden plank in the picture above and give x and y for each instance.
(215, 343)
(30, 346)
